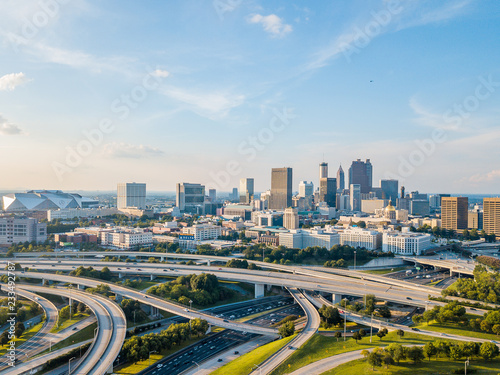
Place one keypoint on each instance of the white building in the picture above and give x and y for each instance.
(203, 231)
(43, 200)
(370, 205)
(127, 238)
(306, 189)
(291, 218)
(16, 229)
(358, 237)
(131, 194)
(70, 213)
(405, 243)
(302, 238)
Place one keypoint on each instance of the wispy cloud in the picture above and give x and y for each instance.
(426, 117)
(7, 128)
(271, 24)
(9, 82)
(493, 175)
(213, 105)
(126, 150)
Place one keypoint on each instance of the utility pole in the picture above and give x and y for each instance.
(345, 323)
(371, 329)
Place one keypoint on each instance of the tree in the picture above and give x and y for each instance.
(338, 335)
(356, 336)
(397, 352)
(415, 354)
(488, 350)
(362, 332)
(287, 329)
(400, 333)
(380, 334)
(374, 359)
(330, 316)
(456, 352)
(430, 350)
(387, 359)
(4, 337)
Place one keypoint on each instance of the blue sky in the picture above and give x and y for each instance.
(214, 91)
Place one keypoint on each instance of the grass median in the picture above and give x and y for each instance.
(244, 364)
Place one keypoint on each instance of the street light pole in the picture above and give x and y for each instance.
(69, 366)
(354, 260)
(466, 364)
(371, 328)
(260, 368)
(345, 323)
(190, 304)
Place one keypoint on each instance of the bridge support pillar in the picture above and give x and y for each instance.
(336, 298)
(152, 277)
(120, 276)
(118, 298)
(259, 290)
(110, 369)
(162, 259)
(78, 286)
(155, 312)
(208, 262)
(209, 329)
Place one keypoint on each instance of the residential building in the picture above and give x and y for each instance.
(16, 229)
(131, 194)
(491, 216)
(246, 190)
(454, 213)
(291, 218)
(190, 197)
(281, 189)
(203, 231)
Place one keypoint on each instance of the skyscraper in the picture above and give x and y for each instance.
(281, 188)
(328, 191)
(291, 218)
(212, 194)
(306, 189)
(246, 190)
(390, 189)
(355, 197)
(454, 213)
(131, 194)
(491, 216)
(361, 173)
(323, 170)
(340, 179)
(189, 196)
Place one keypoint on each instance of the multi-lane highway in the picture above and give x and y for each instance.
(38, 342)
(311, 327)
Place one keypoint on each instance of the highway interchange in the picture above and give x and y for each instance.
(306, 279)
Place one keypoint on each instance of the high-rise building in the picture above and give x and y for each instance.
(281, 189)
(234, 195)
(454, 213)
(419, 207)
(435, 200)
(390, 190)
(16, 229)
(340, 179)
(328, 191)
(475, 219)
(189, 196)
(291, 218)
(212, 194)
(306, 189)
(355, 197)
(323, 170)
(361, 173)
(246, 190)
(491, 216)
(131, 194)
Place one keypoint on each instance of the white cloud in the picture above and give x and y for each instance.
(272, 24)
(126, 150)
(493, 175)
(160, 73)
(213, 105)
(7, 128)
(9, 82)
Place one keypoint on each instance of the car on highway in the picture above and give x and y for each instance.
(415, 329)
(212, 347)
(226, 321)
(408, 298)
(219, 360)
(236, 352)
(159, 366)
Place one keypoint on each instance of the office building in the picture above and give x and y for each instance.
(203, 231)
(306, 189)
(246, 190)
(390, 190)
(131, 194)
(419, 207)
(491, 216)
(328, 191)
(281, 189)
(71, 213)
(405, 243)
(302, 238)
(370, 205)
(323, 170)
(126, 238)
(359, 237)
(43, 200)
(267, 218)
(435, 200)
(361, 173)
(355, 197)
(475, 219)
(16, 229)
(340, 179)
(454, 213)
(291, 218)
(212, 194)
(189, 197)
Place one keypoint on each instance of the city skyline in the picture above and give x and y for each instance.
(326, 82)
